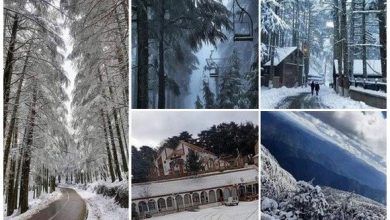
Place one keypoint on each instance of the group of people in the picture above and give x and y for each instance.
(314, 86)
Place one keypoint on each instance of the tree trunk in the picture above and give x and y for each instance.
(382, 36)
(11, 196)
(336, 41)
(116, 162)
(23, 203)
(118, 133)
(8, 68)
(142, 55)
(161, 72)
(108, 148)
(17, 178)
(364, 41)
(13, 116)
(344, 35)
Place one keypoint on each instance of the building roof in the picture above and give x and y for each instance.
(194, 183)
(281, 53)
(196, 148)
(374, 67)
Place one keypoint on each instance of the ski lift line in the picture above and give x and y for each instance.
(242, 36)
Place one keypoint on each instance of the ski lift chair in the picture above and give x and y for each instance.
(242, 23)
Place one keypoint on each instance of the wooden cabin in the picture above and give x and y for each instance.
(286, 60)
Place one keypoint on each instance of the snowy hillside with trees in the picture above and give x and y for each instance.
(301, 200)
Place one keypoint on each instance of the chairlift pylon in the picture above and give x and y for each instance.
(243, 24)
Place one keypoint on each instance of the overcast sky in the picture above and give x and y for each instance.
(369, 126)
(152, 127)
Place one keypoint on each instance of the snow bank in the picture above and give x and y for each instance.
(244, 210)
(35, 205)
(270, 98)
(331, 99)
(380, 94)
(103, 207)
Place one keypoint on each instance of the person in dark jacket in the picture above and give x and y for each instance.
(312, 87)
(317, 88)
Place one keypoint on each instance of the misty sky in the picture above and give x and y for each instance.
(152, 127)
(369, 126)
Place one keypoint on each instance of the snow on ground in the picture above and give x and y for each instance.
(271, 97)
(244, 210)
(331, 99)
(35, 205)
(101, 207)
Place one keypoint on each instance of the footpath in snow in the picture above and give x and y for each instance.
(244, 210)
(301, 97)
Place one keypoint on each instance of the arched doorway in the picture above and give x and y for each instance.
(152, 206)
(187, 200)
(212, 196)
(234, 193)
(142, 207)
(169, 203)
(226, 194)
(161, 205)
(203, 198)
(219, 195)
(134, 211)
(195, 199)
(179, 203)
(241, 192)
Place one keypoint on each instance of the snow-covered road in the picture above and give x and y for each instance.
(244, 211)
(302, 101)
(300, 98)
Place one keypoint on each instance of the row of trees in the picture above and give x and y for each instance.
(35, 133)
(358, 33)
(100, 96)
(223, 140)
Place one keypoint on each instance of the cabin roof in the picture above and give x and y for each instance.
(281, 53)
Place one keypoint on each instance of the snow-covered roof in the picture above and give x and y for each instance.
(373, 67)
(280, 54)
(187, 184)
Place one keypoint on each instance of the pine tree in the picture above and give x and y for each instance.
(198, 103)
(230, 95)
(208, 96)
(193, 164)
(252, 77)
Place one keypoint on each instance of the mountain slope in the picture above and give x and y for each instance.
(283, 197)
(325, 162)
(275, 181)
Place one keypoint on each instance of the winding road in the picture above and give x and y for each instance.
(302, 101)
(70, 207)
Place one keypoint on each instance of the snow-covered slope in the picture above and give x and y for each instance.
(275, 181)
(299, 204)
(351, 202)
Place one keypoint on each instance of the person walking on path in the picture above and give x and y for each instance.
(317, 88)
(312, 88)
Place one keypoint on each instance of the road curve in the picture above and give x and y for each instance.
(70, 207)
